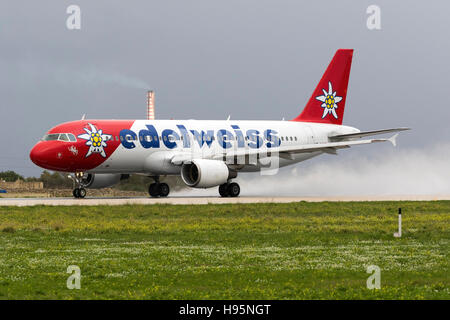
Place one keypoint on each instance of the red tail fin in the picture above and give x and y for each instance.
(327, 103)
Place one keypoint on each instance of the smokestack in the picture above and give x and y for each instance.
(150, 105)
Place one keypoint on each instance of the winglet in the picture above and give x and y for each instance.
(393, 139)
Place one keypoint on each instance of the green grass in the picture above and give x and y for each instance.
(238, 251)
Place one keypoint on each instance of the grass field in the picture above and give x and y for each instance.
(240, 251)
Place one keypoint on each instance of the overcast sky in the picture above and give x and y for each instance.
(253, 59)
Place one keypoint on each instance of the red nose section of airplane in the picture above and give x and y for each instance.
(48, 155)
(39, 155)
(78, 145)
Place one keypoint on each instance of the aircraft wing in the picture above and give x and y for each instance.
(359, 135)
(284, 151)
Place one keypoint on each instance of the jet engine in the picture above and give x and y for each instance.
(204, 173)
(102, 180)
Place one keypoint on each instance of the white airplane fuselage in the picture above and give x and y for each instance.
(156, 160)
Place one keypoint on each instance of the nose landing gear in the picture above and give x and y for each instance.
(78, 192)
(229, 190)
(158, 189)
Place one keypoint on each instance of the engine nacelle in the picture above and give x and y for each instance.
(102, 180)
(204, 173)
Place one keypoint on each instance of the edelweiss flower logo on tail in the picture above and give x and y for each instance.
(330, 101)
(96, 140)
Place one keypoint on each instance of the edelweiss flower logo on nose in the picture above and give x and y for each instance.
(330, 101)
(96, 140)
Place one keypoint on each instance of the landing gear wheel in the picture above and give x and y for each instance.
(153, 190)
(79, 193)
(158, 189)
(164, 189)
(233, 189)
(82, 193)
(223, 190)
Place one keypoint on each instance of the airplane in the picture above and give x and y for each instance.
(205, 153)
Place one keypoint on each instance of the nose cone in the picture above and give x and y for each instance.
(51, 155)
(47, 155)
(39, 155)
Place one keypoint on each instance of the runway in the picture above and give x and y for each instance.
(197, 200)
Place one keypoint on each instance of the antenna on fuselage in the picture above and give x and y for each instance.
(83, 116)
(229, 117)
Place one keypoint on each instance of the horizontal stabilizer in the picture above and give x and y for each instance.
(358, 135)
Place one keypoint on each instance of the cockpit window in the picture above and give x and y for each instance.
(63, 137)
(59, 137)
(51, 137)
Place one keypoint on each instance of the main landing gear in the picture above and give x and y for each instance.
(158, 189)
(229, 189)
(78, 192)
